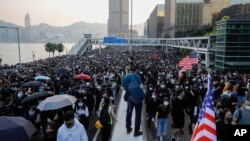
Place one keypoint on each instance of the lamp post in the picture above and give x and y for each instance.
(33, 54)
(131, 30)
(18, 43)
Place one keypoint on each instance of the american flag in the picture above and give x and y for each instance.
(205, 128)
(184, 61)
(193, 58)
(189, 60)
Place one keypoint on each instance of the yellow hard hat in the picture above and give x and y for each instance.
(98, 124)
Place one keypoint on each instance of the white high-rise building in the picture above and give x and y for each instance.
(118, 22)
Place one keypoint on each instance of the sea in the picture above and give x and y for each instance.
(9, 52)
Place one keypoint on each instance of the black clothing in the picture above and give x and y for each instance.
(163, 111)
(177, 112)
(222, 131)
(5, 111)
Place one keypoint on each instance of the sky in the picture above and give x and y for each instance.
(66, 12)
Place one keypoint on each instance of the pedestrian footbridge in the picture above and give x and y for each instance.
(200, 44)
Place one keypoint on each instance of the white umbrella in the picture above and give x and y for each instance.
(41, 77)
(56, 102)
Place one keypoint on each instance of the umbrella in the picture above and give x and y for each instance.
(62, 70)
(36, 96)
(82, 76)
(32, 84)
(56, 102)
(41, 77)
(15, 129)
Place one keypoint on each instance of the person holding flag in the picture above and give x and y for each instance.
(205, 128)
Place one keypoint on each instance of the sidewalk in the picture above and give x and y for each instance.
(119, 130)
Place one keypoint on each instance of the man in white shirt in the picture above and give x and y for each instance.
(72, 129)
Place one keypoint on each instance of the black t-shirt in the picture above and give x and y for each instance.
(163, 111)
(178, 107)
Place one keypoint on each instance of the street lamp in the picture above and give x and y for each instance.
(33, 54)
(130, 48)
(18, 42)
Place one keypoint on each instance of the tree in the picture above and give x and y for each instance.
(54, 46)
(48, 48)
(60, 48)
(225, 18)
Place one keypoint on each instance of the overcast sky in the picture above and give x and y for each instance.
(66, 12)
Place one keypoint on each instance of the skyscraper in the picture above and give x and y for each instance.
(118, 22)
(27, 28)
(212, 7)
(182, 16)
(156, 22)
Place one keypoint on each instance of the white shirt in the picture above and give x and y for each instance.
(76, 133)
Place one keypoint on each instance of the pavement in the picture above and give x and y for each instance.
(120, 131)
(149, 134)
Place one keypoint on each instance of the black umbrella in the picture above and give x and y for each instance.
(36, 96)
(62, 70)
(15, 129)
(32, 84)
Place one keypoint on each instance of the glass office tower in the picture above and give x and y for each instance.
(232, 51)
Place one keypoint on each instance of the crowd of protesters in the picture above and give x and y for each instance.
(169, 94)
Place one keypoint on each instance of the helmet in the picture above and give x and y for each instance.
(98, 124)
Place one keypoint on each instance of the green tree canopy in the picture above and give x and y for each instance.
(60, 48)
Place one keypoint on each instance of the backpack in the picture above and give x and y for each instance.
(135, 93)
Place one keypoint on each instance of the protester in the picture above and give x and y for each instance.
(151, 106)
(242, 115)
(178, 115)
(106, 120)
(162, 113)
(82, 112)
(222, 125)
(134, 96)
(72, 129)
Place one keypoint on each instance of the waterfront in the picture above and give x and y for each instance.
(9, 52)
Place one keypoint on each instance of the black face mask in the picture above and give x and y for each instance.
(218, 107)
(229, 120)
(68, 125)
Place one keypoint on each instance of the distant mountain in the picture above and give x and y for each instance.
(3, 23)
(48, 33)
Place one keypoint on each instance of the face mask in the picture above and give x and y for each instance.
(80, 104)
(163, 86)
(150, 89)
(247, 107)
(229, 119)
(153, 96)
(186, 88)
(200, 87)
(20, 94)
(68, 125)
(218, 106)
(172, 81)
(99, 87)
(166, 103)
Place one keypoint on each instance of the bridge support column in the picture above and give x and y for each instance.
(207, 59)
(130, 50)
(165, 49)
(100, 48)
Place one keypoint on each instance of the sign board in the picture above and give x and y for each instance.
(87, 35)
(113, 40)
